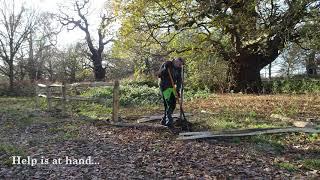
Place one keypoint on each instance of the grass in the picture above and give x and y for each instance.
(262, 106)
(232, 111)
(16, 103)
(67, 131)
(8, 151)
(71, 131)
(251, 111)
(91, 110)
(313, 164)
(237, 120)
(314, 137)
(287, 166)
(267, 143)
(20, 114)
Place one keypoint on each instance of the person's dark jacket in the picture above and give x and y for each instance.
(164, 76)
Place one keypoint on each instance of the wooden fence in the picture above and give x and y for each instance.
(62, 90)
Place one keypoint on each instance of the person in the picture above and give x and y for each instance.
(170, 76)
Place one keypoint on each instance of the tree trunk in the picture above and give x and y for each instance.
(32, 70)
(72, 75)
(270, 68)
(244, 75)
(50, 71)
(99, 71)
(311, 66)
(11, 78)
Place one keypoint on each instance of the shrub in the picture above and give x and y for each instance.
(304, 85)
(21, 88)
(150, 82)
(135, 95)
(190, 94)
(129, 95)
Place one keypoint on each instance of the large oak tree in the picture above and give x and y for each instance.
(249, 34)
(81, 7)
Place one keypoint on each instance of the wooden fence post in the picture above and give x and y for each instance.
(115, 99)
(49, 97)
(37, 97)
(63, 93)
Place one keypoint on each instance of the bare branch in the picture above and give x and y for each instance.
(3, 71)
(108, 41)
(5, 57)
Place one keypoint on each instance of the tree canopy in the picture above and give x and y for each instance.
(247, 34)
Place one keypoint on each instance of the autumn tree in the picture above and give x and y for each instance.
(140, 51)
(248, 34)
(75, 63)
(81, 21)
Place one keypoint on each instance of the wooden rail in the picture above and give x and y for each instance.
(64, 98)
(243, 132)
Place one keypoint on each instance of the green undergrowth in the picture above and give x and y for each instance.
(293, 85)
(313, 164)
(134, 95)
(129, 95)
(91, 110)
(9, 150)
(287, 166)
(238, 120)
(309, 164)
(268, 143)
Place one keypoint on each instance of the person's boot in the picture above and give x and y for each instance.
(163, 121)
(169, 122)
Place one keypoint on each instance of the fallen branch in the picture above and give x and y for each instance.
(206, 112)
(158, 117)
(138, 125)
(129, 125)
(91, 84)
(241, 133)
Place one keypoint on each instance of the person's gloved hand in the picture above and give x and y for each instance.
(169, 65)
(178, 94)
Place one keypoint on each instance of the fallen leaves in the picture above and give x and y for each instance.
(142, 153)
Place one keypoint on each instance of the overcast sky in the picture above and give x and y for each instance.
(68, 37)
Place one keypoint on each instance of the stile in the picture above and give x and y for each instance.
(64, 98)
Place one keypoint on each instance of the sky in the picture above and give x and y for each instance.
(66, 37)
